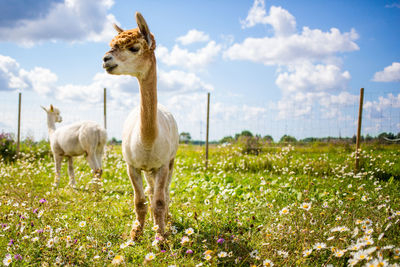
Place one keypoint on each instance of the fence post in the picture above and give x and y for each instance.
(105, 108)
(359, 130)
(208, 126)
(19, 124)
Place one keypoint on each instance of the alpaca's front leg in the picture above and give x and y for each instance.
(57, 160)
(140, 201)
(71, 173)
(159, 202)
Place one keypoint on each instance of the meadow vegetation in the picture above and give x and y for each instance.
(282, 205)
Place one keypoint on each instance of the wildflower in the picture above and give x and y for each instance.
(43, 200)
(118, 260)
(307, 252)
(109, 244)
(268, 263)
(208, 252)
(208, 257)
(150, 256)
(306, 206)
(40, 213)
(254, 253)
(364, 198)
(82, 224)
(189, 251)
(155, 227)
(50, 243)
(339, 253)
(325, 205)
(361, 255)
(18, 257)
(207, 201)
(189, 231)
(174, 230)
(284, 211)
(330, 238)
(377, 262)
(96, 257)
(35, 239)
(220, 241)
(110, 254)
(7, 260)
(135, 224)
(155, 242)
(222, 254)
(319, 246)
(396, 251)
(184, 240)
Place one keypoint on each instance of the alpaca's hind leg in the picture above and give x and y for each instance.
(167, 198)
(57, 160)
(95, 183)
(140, 201)
(71, 173)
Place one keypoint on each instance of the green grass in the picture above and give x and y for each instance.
(273, 206)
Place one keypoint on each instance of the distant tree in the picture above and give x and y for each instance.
(226, 139)
(288, 139)
(268, 138)
(243, 133)
(185, 137)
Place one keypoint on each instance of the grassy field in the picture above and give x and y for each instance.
(287, 206)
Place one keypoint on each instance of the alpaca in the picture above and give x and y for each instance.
(81, 138)
(150, 135)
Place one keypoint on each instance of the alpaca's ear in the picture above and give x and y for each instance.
(143, 28)
(118, 29)
(43, 108)
(51, 108)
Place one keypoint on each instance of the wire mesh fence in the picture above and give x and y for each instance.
(228, 116)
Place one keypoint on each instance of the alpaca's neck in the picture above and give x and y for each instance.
(51, 124)
(148, 106)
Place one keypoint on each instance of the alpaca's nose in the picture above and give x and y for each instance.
(107, 57)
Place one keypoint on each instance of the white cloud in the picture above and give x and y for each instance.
(13, 77)
(375, 109)
(180, 81)
(309, 77)
(71, 20)
(310, 45)
(183, 58)
(281, 20)
(193, 36)
(389, 74)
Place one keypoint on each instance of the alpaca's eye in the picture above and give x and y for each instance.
(133, 49)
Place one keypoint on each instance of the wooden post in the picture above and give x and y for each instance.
(105, 108)
(19, 124)
(359, 130)
(208, 126)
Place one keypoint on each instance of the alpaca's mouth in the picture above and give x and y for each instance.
(108, 68)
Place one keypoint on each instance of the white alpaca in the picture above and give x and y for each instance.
(81, 138)
(150, 136)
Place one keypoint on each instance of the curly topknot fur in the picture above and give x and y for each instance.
(128, 38)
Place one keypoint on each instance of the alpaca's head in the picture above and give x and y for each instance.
(53, 113)
(132, 51)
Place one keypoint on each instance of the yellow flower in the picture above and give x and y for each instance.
(118, 259)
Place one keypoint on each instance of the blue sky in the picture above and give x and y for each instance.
(273, 67)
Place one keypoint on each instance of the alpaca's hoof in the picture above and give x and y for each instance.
(94, 185)
(136, 234)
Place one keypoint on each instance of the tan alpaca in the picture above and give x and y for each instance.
(150, 137)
